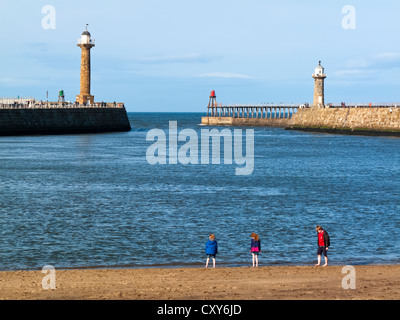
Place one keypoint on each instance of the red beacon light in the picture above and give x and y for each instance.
(212, 103)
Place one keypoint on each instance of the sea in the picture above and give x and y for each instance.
(95, 201)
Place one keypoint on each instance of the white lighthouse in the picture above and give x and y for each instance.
(85, 43)
(319, 87)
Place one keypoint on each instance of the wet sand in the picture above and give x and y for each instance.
(245, 283)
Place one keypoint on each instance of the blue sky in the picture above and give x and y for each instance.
(158, 55)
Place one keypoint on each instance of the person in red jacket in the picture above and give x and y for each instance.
(323, 245)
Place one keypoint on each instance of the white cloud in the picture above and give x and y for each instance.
(387, 57)
(366, 67)
(225, 75)
(193, 57)
(354, 73)
(358, 63)
(18, 82)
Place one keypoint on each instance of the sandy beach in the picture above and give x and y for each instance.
(245, 283)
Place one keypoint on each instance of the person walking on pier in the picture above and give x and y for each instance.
(323, 245)
(211, 249)
(255, 248)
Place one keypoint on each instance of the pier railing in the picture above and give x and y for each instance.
(279, 111)
(58, 105)
(253, 111)
(364, 105)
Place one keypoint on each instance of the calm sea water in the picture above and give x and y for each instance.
(89, 201)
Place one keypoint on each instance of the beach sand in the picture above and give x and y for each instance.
(244, 283)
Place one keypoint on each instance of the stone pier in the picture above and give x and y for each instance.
(383, 120)
(62, 118)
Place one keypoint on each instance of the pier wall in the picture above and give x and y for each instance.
(371, 121)
(251, 122)
(62, 120)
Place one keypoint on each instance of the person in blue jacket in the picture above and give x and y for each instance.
(211, 249)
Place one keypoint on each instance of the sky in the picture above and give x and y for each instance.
(166, 56)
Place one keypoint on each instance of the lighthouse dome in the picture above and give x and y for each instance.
(319, 70)
(85, 38)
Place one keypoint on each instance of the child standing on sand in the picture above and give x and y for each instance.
(211, 249)
(255, 248)
(323, 244)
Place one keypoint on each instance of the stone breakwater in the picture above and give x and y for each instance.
(363, 121)
(26, 121)
(256, 122)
